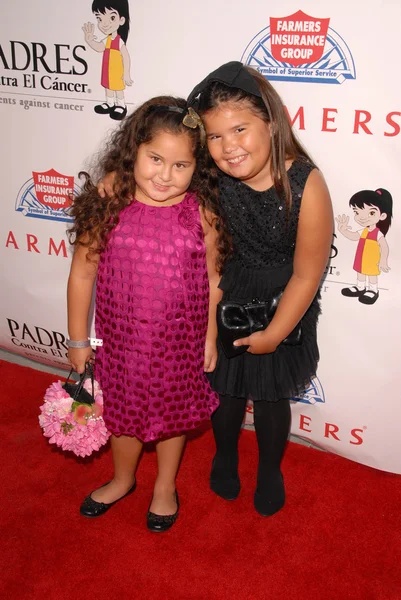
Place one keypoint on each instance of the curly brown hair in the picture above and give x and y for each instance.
(95, 217)
(270, 108)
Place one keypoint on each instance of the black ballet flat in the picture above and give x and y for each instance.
(353, 292)
(227, 488)
(368, 297)
(103, 109)
(118, 113)
(160, 523)
(90, 508)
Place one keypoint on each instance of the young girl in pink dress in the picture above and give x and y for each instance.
(152, 251)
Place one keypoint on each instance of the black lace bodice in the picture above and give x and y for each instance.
(262, 236)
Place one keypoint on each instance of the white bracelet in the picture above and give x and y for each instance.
(82, 344)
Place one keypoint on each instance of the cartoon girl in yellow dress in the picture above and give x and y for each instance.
(373, 210)
(113, 20)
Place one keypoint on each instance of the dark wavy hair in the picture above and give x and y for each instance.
(270, 108)
(95, 217)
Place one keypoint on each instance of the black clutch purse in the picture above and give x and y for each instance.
(76, 390)
(236, 320)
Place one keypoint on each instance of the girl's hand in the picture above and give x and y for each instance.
(258, 342)
(127, 79)
(105, 187)
(78, 358)
(383, 266)
(89, 30)
(342, 223)
(210, 355)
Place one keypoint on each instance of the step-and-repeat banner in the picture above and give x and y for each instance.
(333, 64)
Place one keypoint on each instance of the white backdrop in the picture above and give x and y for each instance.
(340, 85)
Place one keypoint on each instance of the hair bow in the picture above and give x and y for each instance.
(193, 120)
(233, 74)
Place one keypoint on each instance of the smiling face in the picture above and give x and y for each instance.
(163, 169)
(368, 216)
(110, 21)
(240, 143)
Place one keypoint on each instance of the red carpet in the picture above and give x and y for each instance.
(338, 536)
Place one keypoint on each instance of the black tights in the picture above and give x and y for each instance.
(272, 423)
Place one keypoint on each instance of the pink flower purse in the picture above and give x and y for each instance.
(71, 416)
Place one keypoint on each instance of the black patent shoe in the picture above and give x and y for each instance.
(368, 297)
(353, 292)
(90, 508)
(225, 487)
(103, 109)
(118, 113)
(160, 523)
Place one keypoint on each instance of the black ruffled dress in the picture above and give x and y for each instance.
(264, 246)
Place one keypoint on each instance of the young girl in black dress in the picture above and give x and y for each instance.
(275, 227)
(277, 210)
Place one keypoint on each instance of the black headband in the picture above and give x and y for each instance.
(176, 109)
(233, 74)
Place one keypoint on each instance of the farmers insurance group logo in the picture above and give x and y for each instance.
(300, 48)
(47, 196)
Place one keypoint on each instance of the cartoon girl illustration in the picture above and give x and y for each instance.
(373, 210)
(113, 20)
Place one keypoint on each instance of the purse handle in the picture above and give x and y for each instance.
(88, 372)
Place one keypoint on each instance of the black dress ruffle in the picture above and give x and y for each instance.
(264, 246)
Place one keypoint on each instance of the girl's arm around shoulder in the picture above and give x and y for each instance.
(215, 294)
(105, 187)
(79, 297)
